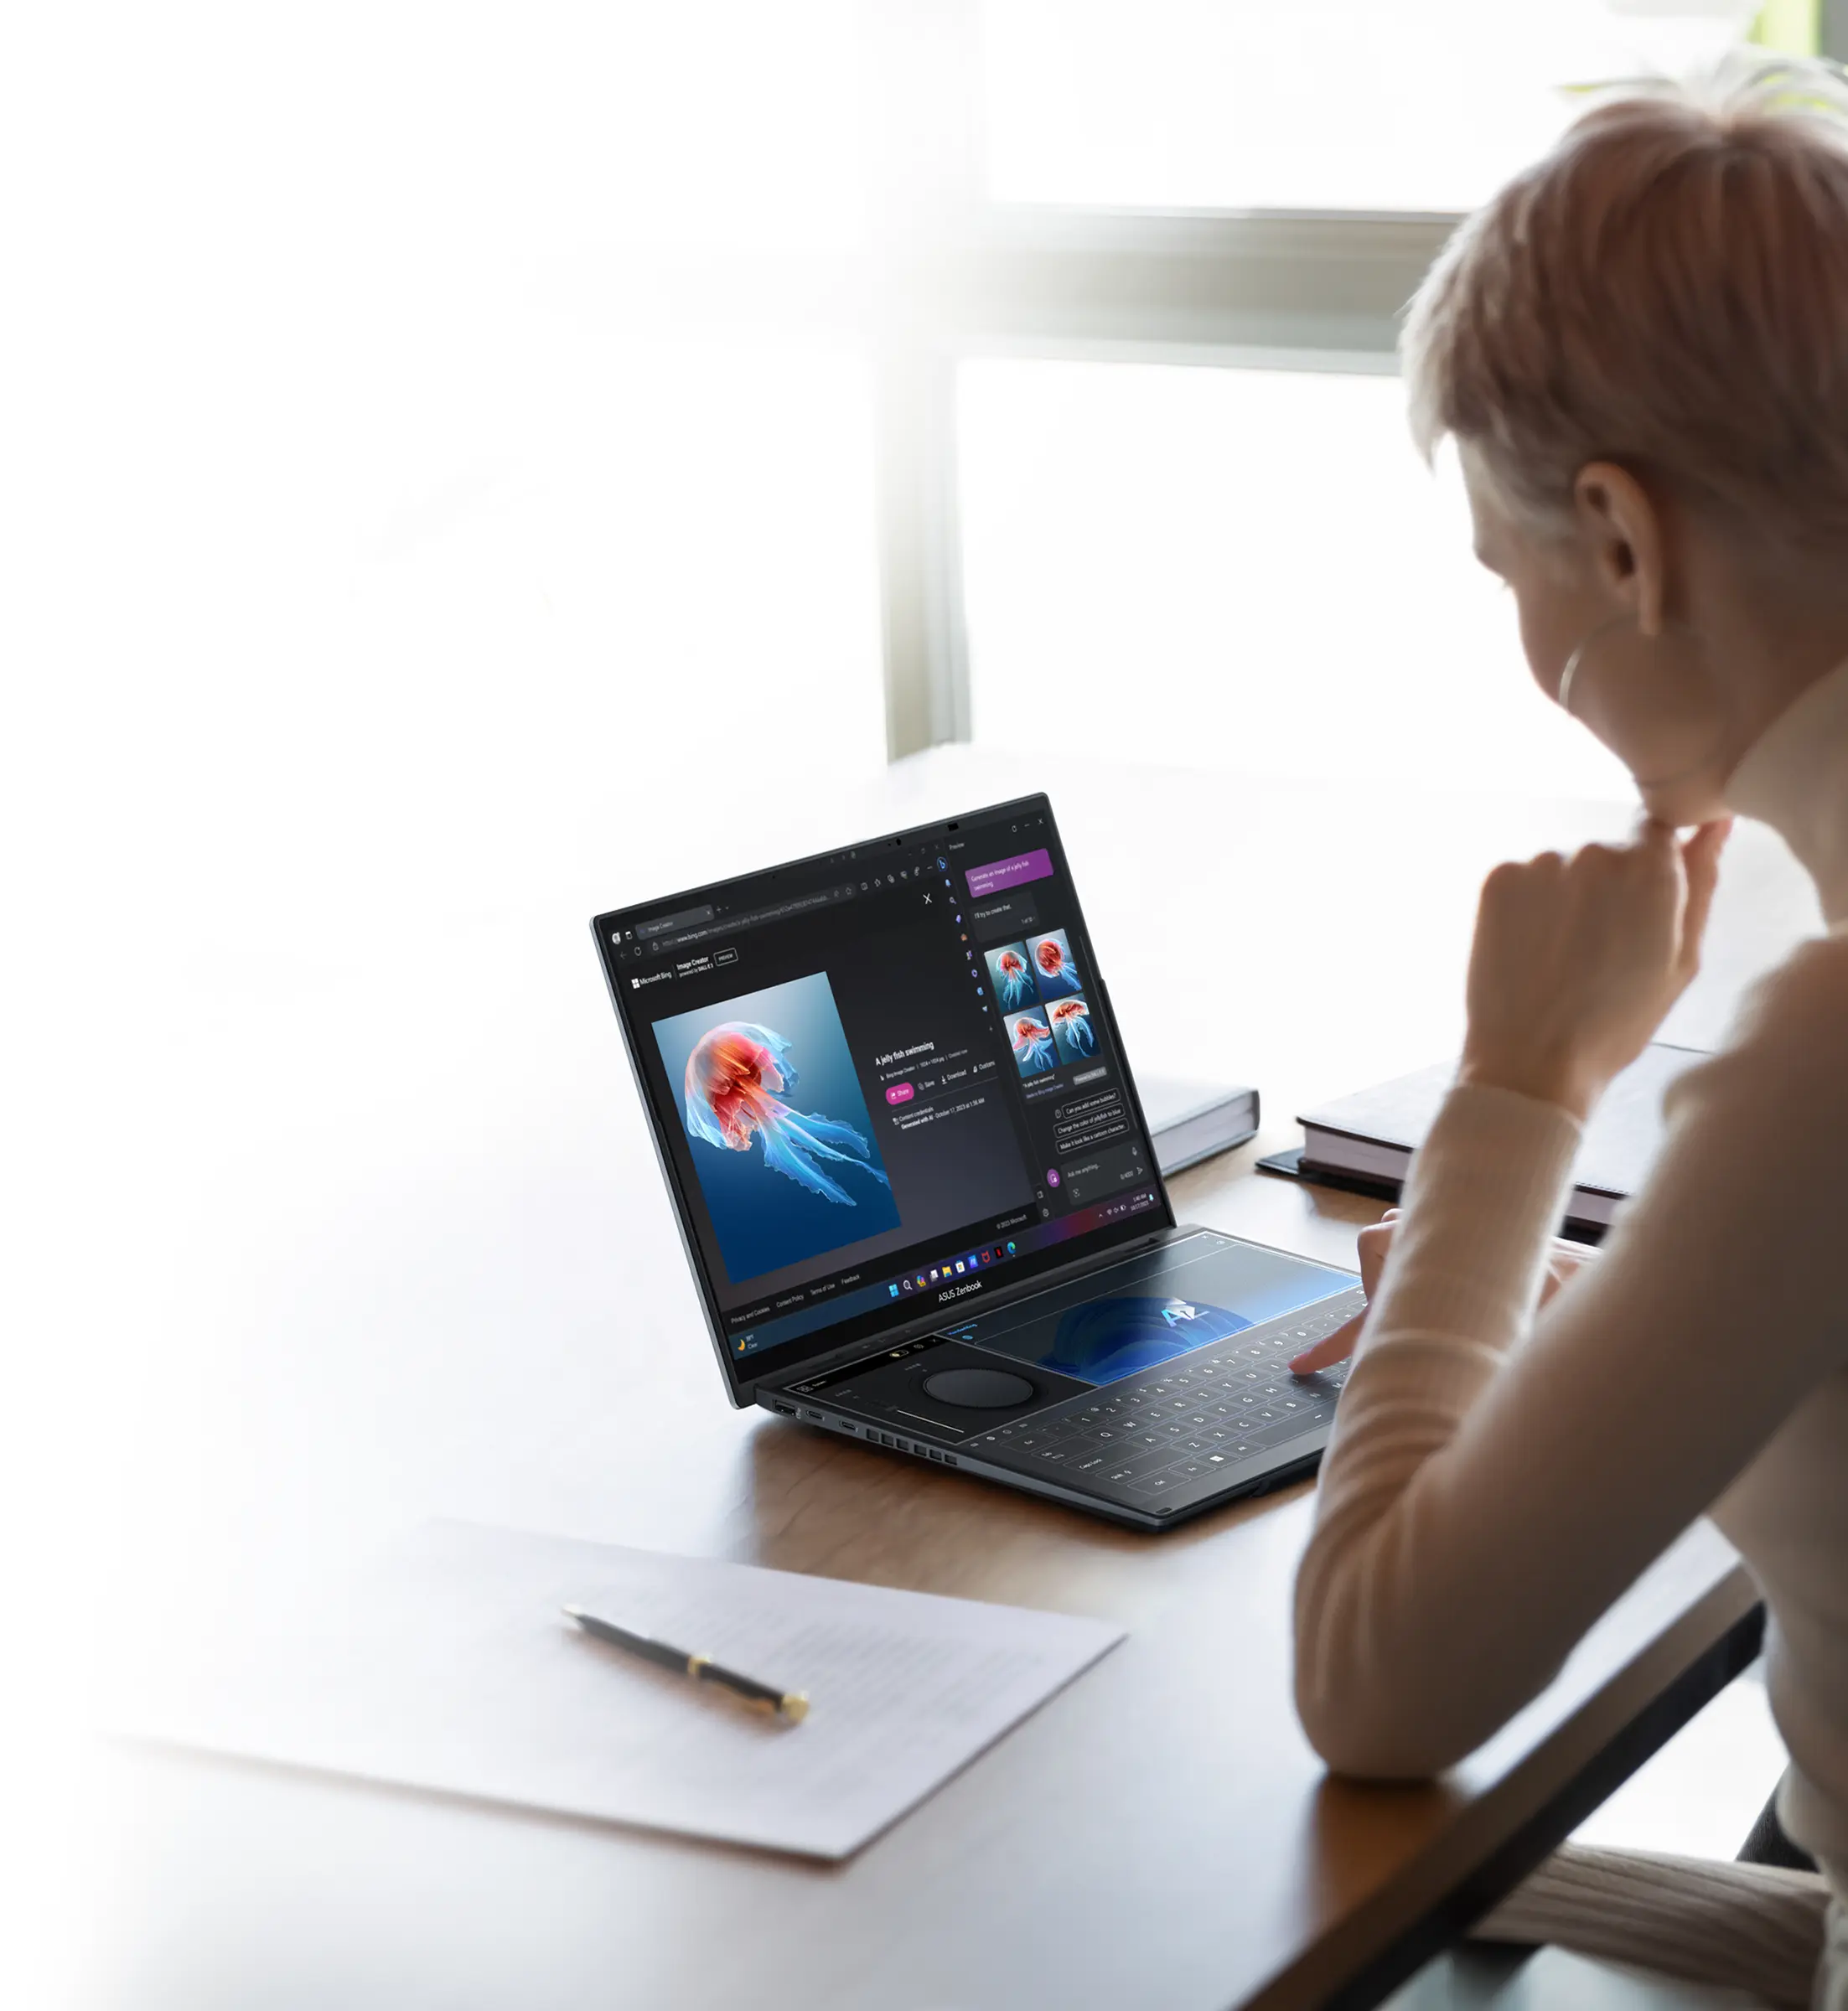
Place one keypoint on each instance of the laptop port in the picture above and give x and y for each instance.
(788, 1410)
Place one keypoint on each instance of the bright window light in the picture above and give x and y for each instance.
(384, 531)
(1346, 104)
(1240, 569)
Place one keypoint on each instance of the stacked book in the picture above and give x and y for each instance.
(1365, 1141)
(1188, 1122)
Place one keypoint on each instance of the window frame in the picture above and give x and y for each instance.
(950, 274)
(1216, 289)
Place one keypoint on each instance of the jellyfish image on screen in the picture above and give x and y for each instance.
(1012, 976)
(1053, 966)
(1071, 1024)
(1032, 1042)
(733, 1075)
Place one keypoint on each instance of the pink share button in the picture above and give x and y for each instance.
(900, 1093)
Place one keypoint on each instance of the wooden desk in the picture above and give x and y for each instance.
(441, 1279)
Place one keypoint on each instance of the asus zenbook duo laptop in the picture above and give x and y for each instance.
(915, 1187)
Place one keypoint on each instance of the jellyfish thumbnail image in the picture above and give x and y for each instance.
(1071, 1024)
(1032, 1042)
(733, 1077)
(1053, 966)
(1012, 976)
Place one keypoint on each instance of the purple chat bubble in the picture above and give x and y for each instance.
(986, 879)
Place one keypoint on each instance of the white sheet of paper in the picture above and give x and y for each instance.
(449, 1665)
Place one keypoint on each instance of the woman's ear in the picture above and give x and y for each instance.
(1623, 532)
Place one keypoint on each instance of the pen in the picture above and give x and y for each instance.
(790, 1705)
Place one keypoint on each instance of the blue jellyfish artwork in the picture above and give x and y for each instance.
(1012, 976)
(1031, 1039)
(1053, 966)
(1071, 1024)
(732, 1076)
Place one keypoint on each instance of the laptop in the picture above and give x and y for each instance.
(916, 1192)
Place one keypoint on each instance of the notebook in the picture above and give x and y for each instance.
(445, 1663)
(1367, 1139)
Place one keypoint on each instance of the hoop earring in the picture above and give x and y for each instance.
(1563, 697)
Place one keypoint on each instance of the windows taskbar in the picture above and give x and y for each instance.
(944, 1277)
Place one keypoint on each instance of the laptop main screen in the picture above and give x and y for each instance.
(885, 1081)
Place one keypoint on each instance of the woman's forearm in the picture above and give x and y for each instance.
(1495, 1481)
(1468, 1260)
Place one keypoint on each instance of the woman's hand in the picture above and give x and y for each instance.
(1576, 960)
(1563, 1261)
(1575, 963)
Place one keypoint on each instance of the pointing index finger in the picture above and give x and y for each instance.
(1330, 1349)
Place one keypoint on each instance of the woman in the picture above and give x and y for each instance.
(1641, 351)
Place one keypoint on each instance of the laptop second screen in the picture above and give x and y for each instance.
(884, 1081)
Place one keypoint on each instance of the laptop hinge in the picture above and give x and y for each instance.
(867, 1345)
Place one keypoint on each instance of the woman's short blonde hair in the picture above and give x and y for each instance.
(1667, 289)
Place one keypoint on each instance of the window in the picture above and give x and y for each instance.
(1350, 105)
(1218, 183)
(1245, 570)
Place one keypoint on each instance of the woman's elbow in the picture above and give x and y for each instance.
(1369, 1716)
(1403, 1715)
(1365, 1743)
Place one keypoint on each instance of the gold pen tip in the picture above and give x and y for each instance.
(795, 1706)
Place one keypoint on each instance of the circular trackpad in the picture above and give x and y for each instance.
(979, 1389)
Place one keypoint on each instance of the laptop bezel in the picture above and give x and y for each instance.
(743, 1390)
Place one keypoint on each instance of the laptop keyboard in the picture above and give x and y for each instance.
(1176, 1429)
